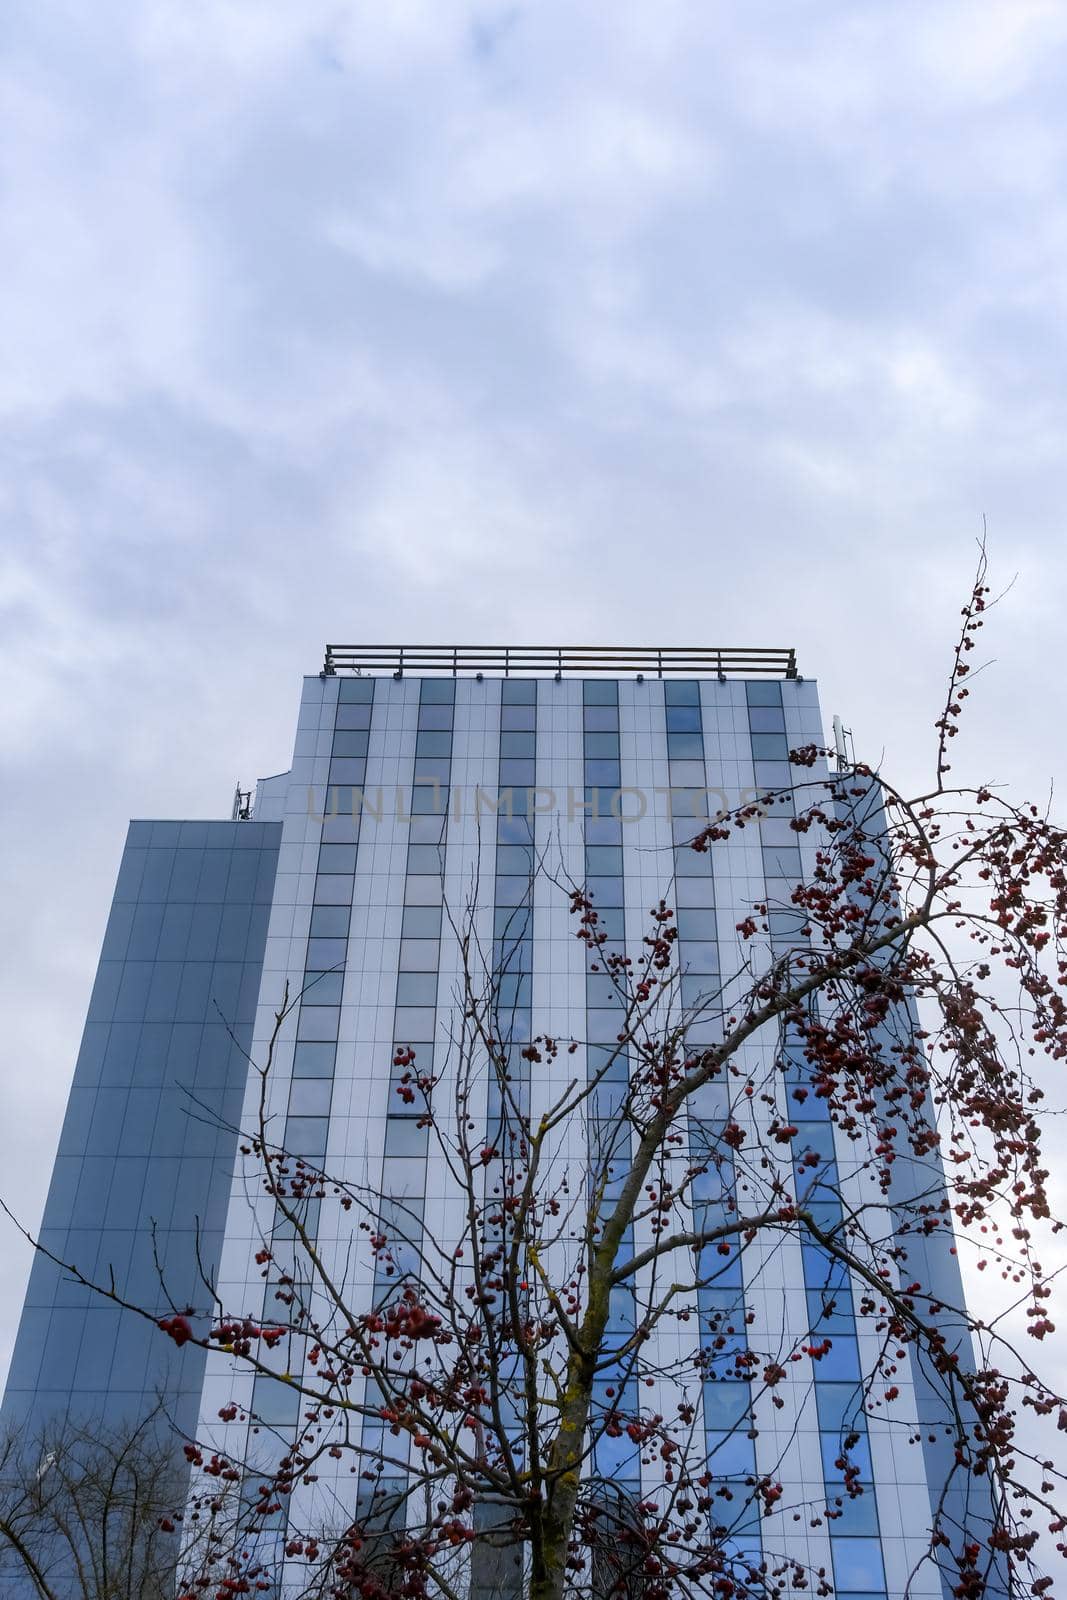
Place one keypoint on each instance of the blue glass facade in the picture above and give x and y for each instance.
(149, 1136)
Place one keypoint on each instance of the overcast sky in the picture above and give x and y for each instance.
(671, 322)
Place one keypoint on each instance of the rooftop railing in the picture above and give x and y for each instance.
(559, 660)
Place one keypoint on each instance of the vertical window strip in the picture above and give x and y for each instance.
(616, 1460)
(853, 1526)
(496, 1569)
(721, 1295)
(513, 892)
(314, 1057)
(403, 1199)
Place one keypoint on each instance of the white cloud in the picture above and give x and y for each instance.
(500, 320)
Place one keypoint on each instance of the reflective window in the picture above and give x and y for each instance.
(427, 830)
(310, 1097)
(517, 717)
(603, 861)
(517, 772)
(681, 692)
(352, 717)
(404, 1137)
(318, 1022)
(314, 1059)
(604, 775)
(353, 690)
(425, 858)
(759, 693)
(323, 988)
(857, 1565)
(330, 922)
(333, 889)
(416, 989)
(439, 690)
(422, 922)
(431, 744)
(766, 719)
(419, 955)
(435, 716)
(514, 859)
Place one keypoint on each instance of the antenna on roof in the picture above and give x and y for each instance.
(846, 750)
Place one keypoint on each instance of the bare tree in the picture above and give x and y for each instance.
(91, 1512)
(464, 1400)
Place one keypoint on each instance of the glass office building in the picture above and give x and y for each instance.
(339, 885)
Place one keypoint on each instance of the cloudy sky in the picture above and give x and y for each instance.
(682, 322)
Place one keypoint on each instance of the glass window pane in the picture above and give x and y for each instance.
(516, 717)
(515, 771)
(421, 922)
(416, 988)
(681, 692)
(763, 694)
(782, 861)
(519, 691)
(352, 717)
(437, 690)
(345, 771)
(428, 799)
(414, 1024)
(353, 691)
(404, 1137)
(857, 1565)
(435, 716)
(766, 719)
(512, 890)
(602, 830)
(432, 744)
(423, 890)
(513, 829)
(429, 768)
(518, 744)
(699, 955)
(333, 889)
(683, 719)
(514, 858)
(336, 858)
(306, 1136)
(330, 922)
(601, 719)
(419, 955)
(694, 926)
(314, 1060)
(310, 1097)
(425, 858)
(326, 953)
(318, 1022)
(602, 744)
(770, 746)
(323, 988)
(350, 743)
(605, 892)
(603, 860)
(600, 692)
(685, 746)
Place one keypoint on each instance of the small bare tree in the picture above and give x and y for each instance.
(89, 1512)
(465, 1399)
